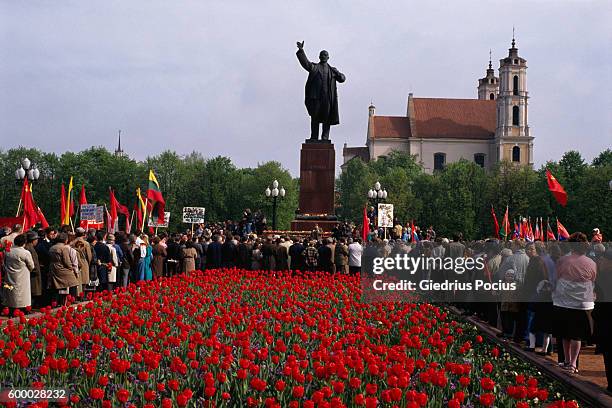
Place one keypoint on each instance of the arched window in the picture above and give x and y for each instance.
(491, 80)
(516, 61)
(515, 85)
(479, 159)
(516, 154)
(492, 96)
(439, 161)
(515, 116)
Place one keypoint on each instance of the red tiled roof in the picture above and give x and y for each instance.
(455, 118)
(388, 127)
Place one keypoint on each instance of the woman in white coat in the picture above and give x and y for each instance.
(18, 264)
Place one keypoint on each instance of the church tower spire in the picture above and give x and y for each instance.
(488, 87)
(514, 142)
(118, 151)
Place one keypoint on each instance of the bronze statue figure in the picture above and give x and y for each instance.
(321, 94)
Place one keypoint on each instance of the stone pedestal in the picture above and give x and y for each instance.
(317, 178)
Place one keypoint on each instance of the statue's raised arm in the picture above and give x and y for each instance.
(301, 55)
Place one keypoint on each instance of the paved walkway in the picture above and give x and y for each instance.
(589, 385)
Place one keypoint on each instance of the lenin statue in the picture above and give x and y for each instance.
(321, 94)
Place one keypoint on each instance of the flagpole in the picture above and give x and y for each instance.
(144, 216)
(132, 219)
(18, 208)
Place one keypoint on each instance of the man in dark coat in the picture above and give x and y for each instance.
(213, 253)
(296, 253)
(321, 93)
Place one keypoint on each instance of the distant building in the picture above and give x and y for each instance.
(486, 130)
(118, 151)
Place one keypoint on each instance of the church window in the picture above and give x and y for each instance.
(516, 154)
(515, 87)
(515, 61)
(479, 159)
(439, 161)
(515, 116)
(491, 80)
(492, 96)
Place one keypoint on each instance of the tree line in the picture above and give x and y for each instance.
(458, 198)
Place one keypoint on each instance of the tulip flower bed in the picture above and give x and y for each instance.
(240, 338)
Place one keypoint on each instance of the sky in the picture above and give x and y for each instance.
(222, 78)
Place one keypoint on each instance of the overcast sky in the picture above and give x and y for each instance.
(221, 77)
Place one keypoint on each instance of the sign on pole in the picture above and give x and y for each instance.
(88, 212)
(99, 214)
(154, 224)
(385, 215)
(193, 215)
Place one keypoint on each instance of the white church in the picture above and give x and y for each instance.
(487, 130)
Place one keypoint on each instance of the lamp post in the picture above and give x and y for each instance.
(377, 194)
(27, 169)
(275, 193)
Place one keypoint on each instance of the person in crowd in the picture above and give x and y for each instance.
(229, 252)
(104, 256)
(35, 275)
(257, 256)
(85, 256)
(114, 263)
(296, 255)
(341, 255)
(603, 311)
(42, 249)
(316, 233)
(63, 269)
(573, 299)
(10, 237)
(518, 262)
(281, 255)
(146, 258)
(18, 265)
(173, 254)
(531, 290)
(268, 251)
(128, 259)
(199, 250)
(213, 253)
(509, 308)
(326, 256)
(189, 256)
(244, 253)
(597, 236)
(311, 256)
(159, 257)
(355, 250)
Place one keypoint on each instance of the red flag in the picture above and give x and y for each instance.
(365, 229)
(116, 207)
(556, 189)
(561, 231)
(495, 223)
(505, 231)
(30, 216)
(82, 197)
(537, 236)
(41, 218)
(63, 205)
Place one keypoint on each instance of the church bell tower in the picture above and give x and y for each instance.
(488, 87)
(513, 141)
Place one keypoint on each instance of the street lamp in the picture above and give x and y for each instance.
(27, 169)
(377, 194)
(275, 193)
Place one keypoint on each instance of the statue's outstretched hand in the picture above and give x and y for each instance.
(300, 45)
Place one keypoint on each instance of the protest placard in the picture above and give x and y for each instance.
(193, 215)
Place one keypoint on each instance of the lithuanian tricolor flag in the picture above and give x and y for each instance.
(155, 201)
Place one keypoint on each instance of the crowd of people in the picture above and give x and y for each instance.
(565, 291)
